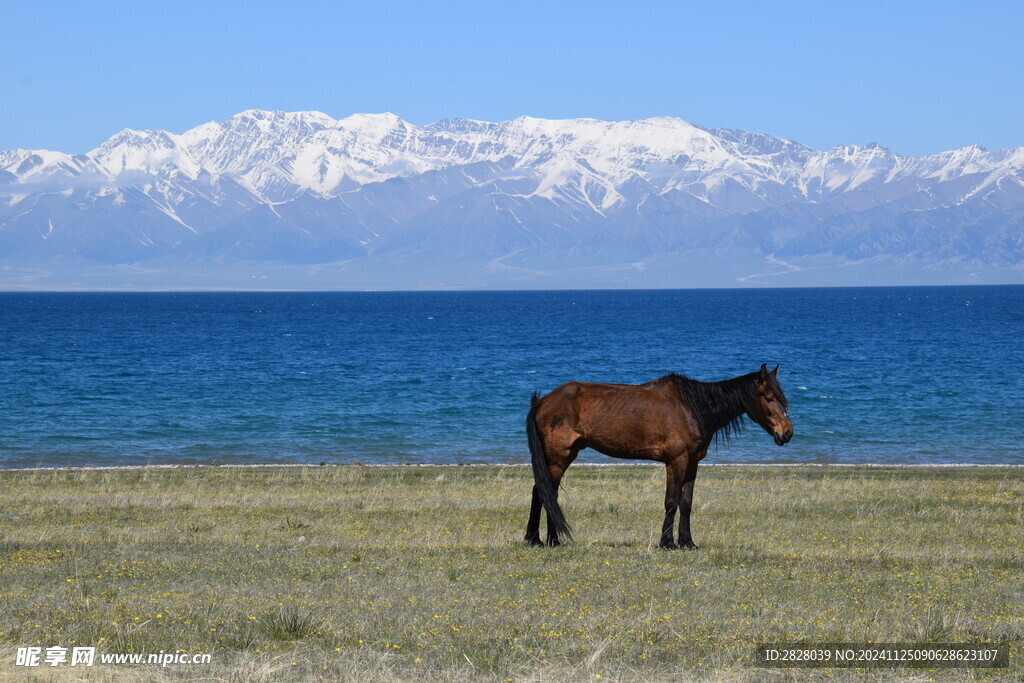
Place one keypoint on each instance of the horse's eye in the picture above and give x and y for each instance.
(769, 398)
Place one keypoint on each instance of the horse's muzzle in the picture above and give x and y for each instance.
(783, 438)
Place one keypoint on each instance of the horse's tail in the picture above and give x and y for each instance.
(542, 475)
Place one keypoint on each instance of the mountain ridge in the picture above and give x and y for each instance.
(371, 198)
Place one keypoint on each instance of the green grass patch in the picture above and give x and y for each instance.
(421, 573)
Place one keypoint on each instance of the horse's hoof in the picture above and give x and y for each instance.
(690, 546)
(534, 543)
(554, 542)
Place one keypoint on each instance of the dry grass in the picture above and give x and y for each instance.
(404, 573)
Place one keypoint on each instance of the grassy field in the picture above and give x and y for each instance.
(420, 572)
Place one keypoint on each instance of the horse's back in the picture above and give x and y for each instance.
(581, 397)
(621, 420)
(657, 389)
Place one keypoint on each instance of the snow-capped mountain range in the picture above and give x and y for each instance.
(302, 199)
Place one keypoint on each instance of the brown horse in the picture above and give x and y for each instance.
(672, 420)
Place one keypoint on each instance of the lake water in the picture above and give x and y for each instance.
(879, 375)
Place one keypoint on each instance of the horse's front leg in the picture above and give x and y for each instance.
(685, 503)
(673, 482)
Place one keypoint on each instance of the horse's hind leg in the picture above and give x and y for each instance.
(559, 463)
(533, 525)
(552, 532)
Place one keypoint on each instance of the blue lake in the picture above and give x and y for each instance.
(875, 375)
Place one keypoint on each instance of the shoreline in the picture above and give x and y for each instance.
(844, 465)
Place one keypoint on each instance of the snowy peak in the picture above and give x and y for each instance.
(376, 126)
(528, 193)
(280, 154)
(269, 121)
(143, 152)
(41, 166)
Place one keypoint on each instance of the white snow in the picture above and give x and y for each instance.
(585, 162)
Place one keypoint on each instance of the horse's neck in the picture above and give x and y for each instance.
(731, 397)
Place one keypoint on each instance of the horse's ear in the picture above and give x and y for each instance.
(764, 370)
(775, 372)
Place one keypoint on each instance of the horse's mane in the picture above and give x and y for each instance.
(719, 407)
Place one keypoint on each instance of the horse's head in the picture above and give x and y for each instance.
(771, 410)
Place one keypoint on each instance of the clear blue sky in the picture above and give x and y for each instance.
(918, 77)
